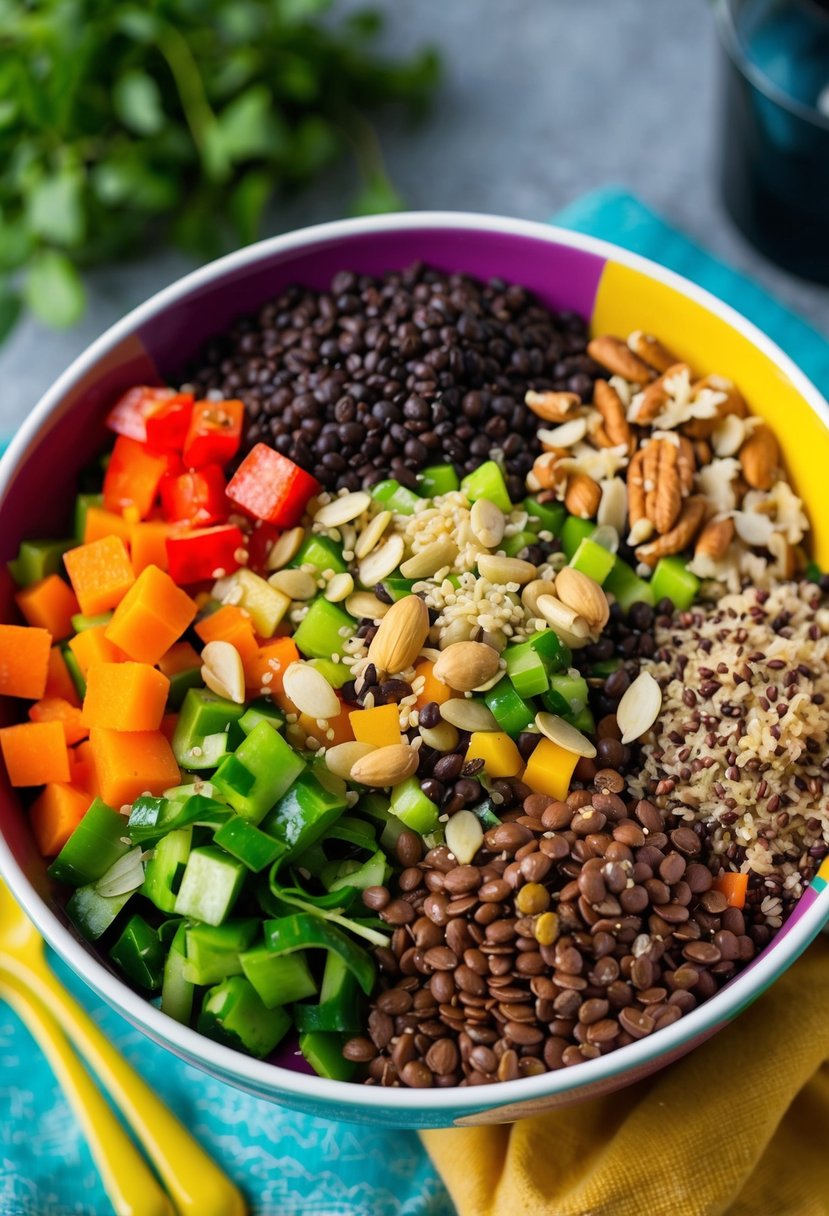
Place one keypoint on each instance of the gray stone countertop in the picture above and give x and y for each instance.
(543, 100)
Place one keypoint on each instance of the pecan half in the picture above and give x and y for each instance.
(651, 351)
(701, 428)
(544, 469)
(617, 357)
(615, 427)
(636, 488)
(582, 496)
(553, 407)
(714, 539)
(663, 489)
(655, 396)
(759, 457)
(679, 537)
(686, 464)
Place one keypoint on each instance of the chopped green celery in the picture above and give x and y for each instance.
(192, 784)
(352, 831)
(513, 546)
(279, 979)
(550, 516)
(210, 885)
(512, 713)
(573, 532)
(74, 669)
(306, 811)
(593, 560)
(213, 952)
(180, 684)
(205, 716)
(487, 481)
(336, 674)
(139, 954)
(530, 663)
(165, 868)
(398, 588)
(567, 694)
(437, 479)
(371, 873)
(324, 1052)
(584, 721)
(324, 630)
(248, 844)
(394, 497)
(551, 648)
(258, 773)
(82, 504)
(625, 585)
(92, 913)
(412, 807)
(320, 552)
(303, 931)
(37, 559)
(261, 710)
(81, 622)
(151, 818)
(485, 812)
(339, 1008)
(177, 992)
(233, 1014)
(96, 844)
(671, 580)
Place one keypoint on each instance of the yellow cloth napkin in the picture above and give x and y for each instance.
(739, 1126)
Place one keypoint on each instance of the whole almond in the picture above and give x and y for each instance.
(466, 665)
(584, 595)
(715, 538)
(552, 406)
(385, 766)
(759, 457)
(582, 496)
(615, 355)
(400, 635)
(341, 758)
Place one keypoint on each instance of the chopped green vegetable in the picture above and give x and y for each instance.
(96, 844)
(210, 885)
(324, 630)
(249, 844)
(234, 1014)
(303, 932)
(671, 580)
(437, 479)
(412, 807)
(487, 481)
(177, 992)
(627, 587)
(36, 559)
(279, 979)
(593, 560)
(92, 913)
(213, 952)
(573, 532)
(306, 811)
(324, 1052)
(198, 741)
(394, 497)
(139, 954)
(258, 773)
(513, 546)
(545, 516)
(320, 552)
(512, 713)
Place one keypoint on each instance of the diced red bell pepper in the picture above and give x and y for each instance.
(168, 425)
(271, 487)
(132, 477)
(130, 413)
(197, 498)
(260, 542)
(214, 434)
(205, 553)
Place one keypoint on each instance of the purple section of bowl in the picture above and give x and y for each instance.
(562, 277)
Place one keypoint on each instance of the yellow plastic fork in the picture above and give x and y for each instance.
(193, 1181)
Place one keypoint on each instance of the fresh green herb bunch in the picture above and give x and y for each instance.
(122, 124)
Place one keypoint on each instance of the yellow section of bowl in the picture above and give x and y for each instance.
(628, 299)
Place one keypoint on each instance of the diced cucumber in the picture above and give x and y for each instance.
(177, 992)
(165, 868)
(74, 669)
(92, 913)
(584, 721)
(437, 479)
(234, 1014)
(398, 588)
(213, 952)
(324, 1052)
(81, 622)
(567, 694)
(322, 553)
(37, 559)
(671, 580)
(180, 684)
(151, 818)
(593, 560)
(279, 979)
(512, 713)
(324, 630)
(95, 845)
(412, 807)
(627, 587)
(394, 497)
(487, 481)
(203, 716)
(340, 1006)
(530, 663)
(248, 844)
(258, 773)
(371, 873)
(82, 504)
(545, 516)
(210, 885)
(573, 532)
(139, 954)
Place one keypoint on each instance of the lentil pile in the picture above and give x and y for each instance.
(379, 377)
(580, 926)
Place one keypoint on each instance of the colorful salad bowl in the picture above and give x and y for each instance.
(617, 291)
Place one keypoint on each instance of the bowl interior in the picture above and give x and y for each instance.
(155, 344)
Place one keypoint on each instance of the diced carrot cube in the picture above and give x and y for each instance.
(265, 671)
(152, 615)
(100, 523)
(82, 769)
(100, 573)
(93, 646)
(733, 886)
(24, 660)
(379, 726)
(55, 709)
(432, 690)
(125, 696)
(337, 730)
(181, 657)
(133, 476)
(59, 682)
(55, 814)
(49, 604)
(129, 763)
(230, 624)
(35, 753)
(148, 544)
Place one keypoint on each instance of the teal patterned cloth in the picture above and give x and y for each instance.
(288, 1163)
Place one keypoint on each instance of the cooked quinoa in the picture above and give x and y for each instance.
(741, 742)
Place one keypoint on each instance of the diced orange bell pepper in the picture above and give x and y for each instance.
(101, 523)
(734, 887)
(55, 814)
(59, 683)
(148, 544)
(338, 729)
(49, 604)
(82, 769)
(35, 753)
(100, 573)
(230, 624)
(432, 690)
(24, 660)
(125, 696)
(128, 763)
(550, 769)
(181, 657)
(264, 673)
(92, 646)
(151, 617)
(499, 753)
(133, 476)
(379, 726)
(55, 709)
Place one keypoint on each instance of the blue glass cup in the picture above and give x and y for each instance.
(774, 128)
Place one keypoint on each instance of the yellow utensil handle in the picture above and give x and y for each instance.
(196, 1184)
(129, 1183)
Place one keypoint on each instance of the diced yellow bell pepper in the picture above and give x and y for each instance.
(500, 755)
(264, 604)
(550, 769)
(379, 726)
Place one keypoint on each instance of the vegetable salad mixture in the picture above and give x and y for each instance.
(411, 762)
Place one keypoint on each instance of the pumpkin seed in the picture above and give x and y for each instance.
(296, 584)
(443, 737)
(564, 735)
(468, 714)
